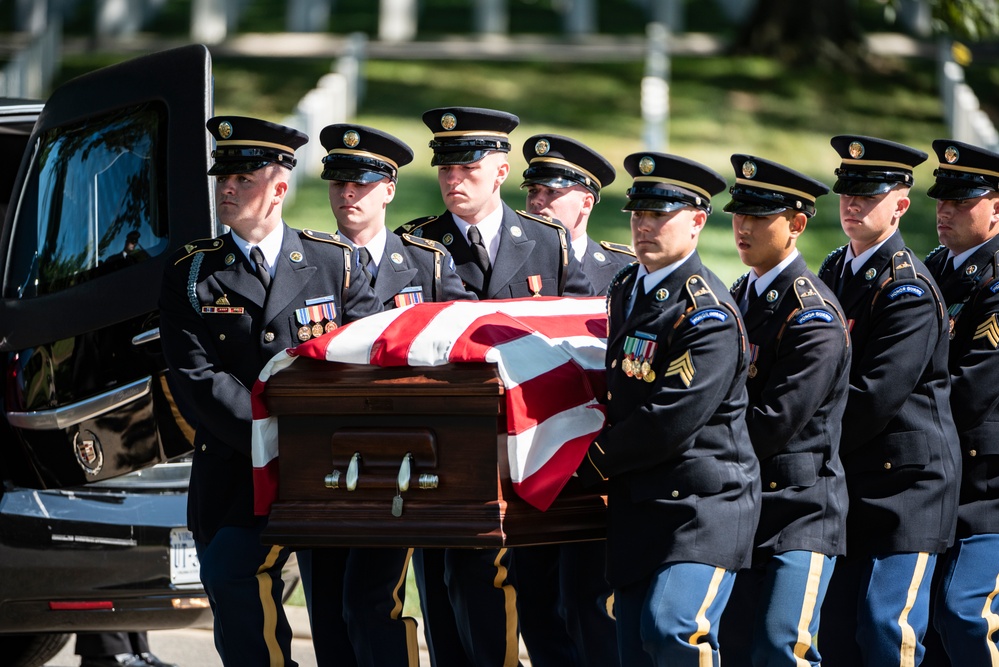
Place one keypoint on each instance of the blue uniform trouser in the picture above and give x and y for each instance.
(966, 609)
(772, 616)
(671, 618)
(242, 578)
(355, 598)
(439, 625)
(877, 610)
(565, 604)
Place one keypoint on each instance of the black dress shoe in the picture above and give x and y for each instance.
(153, 661)
(120, 660)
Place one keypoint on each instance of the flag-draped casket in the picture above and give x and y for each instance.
(437, 424)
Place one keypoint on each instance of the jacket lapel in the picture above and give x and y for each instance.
(238, 278)
(512, 254)
(393, 276)
(464, 263)
(290, 278)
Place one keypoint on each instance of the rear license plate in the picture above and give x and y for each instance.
(184, 565)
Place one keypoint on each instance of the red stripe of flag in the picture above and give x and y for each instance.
(563, 326)
(391, 348)
(541, 488)
(533, 401)
(485, 333)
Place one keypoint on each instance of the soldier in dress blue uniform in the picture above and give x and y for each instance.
(229, 305)
(799, 365)
(500, 254)
(563, 598)
(967, 268)
(683, 481)
(898, 444)
(357, 593)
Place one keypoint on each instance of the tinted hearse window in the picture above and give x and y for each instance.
(94, 202)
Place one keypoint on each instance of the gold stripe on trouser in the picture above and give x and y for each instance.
(412, 645)
(993, 622)
(808, 609)
(907, 651)
(703, 625)
(512, 654)
(265, 582)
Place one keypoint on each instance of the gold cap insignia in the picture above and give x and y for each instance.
(952, 155)
(749, 169)
(351, 138)
(225, 129)
(856, 150)
(448, 121)
(542, 146)
(646, 165)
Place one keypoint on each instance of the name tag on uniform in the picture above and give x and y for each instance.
(222, 310)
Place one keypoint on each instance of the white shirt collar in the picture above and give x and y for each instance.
(761, 283)
(659, 275)
(958, 260)
(270, 246)
(860, 260)
(489, 229)
(375, 248)
(579, 247)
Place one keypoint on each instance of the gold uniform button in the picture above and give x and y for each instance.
(614, 363)
(675, 494)
(204, 448)
(269, 337)
(887, 465)
(773, 485)
(973, 453)
(221, 336)
(608, 396)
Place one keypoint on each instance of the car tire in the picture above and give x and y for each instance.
(30, 650)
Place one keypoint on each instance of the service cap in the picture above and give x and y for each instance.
(872, 166)
(246, 144)
(361, 154)
(965, 171)
(463, 135)
(666, 182)
(763, 187)
(560, 162)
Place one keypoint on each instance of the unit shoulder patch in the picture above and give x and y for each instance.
(906, 289)
(620, 248)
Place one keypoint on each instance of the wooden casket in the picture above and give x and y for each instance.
(407, 456)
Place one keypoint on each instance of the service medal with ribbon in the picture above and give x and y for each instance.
(534, 284)
(409, 296)
(639, 350)
(754, 351)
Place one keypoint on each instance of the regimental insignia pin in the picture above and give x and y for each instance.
(225, 129)
(749, 169)
(662, 294)
(599, 256)
(516, 232)
(449, 121)
(952, 155)
(970, 271)
(534, 284)
(870, 274)
(222, 301)
(772, 296)
(295, 256)
(229, 259)
(447, 239)
(351, 138)
(856, 150)
(646, 165)
(542, 147)
(397, 258)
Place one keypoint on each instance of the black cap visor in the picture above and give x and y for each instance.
(352, 175)
(458, 157)
(244, 160)
(356, 169)
(657, 204)
(869, 183)
(558, 179)
(465, 151)
(961, 185)
(762, 203)
(755, 209)
(226, 167)
(654, 198)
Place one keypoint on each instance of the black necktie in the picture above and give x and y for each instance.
(845, 278)
(263, 274)
(479, 250)
(363, 257)
(751, 296)
(948, 268)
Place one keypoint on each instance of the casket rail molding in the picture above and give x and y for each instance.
(405, 457)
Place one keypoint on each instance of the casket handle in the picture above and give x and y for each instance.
(355, 462)
(428, 481)
(332, 480)
(405, 470)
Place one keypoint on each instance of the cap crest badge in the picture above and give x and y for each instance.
(952, 155)
(351, 138)
(646, 165)
(449, 121)
(542, 146)
(749, 169)
(856, 150)
(225, 129)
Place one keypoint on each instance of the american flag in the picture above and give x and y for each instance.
(549, 353)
